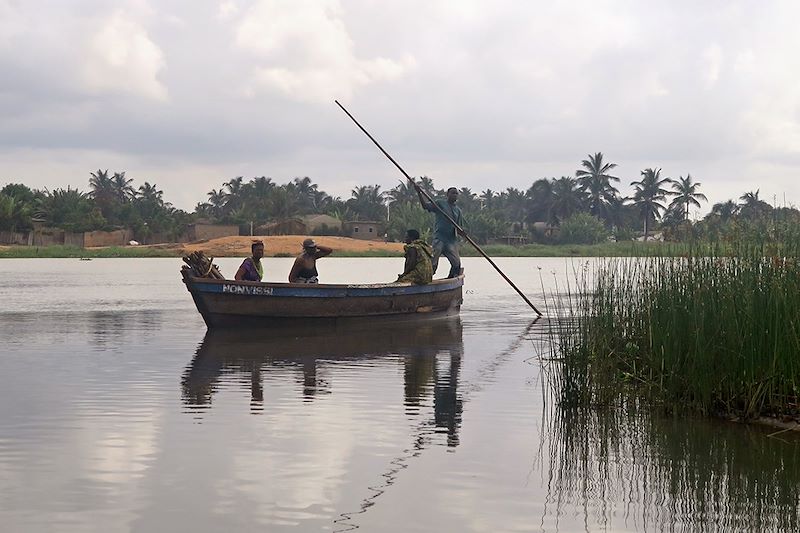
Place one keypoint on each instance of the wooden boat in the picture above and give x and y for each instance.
(227, 303)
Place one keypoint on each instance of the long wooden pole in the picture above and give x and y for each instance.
(433, 203)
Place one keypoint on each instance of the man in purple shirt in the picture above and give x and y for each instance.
(251, 269)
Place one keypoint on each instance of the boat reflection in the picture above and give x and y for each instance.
(430, 352)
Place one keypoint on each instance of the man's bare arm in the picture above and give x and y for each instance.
(322, 251)
(427, 205)
(298, 264)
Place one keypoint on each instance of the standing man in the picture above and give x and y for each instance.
(445, 239)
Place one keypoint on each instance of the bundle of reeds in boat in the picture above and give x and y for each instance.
(202, 266)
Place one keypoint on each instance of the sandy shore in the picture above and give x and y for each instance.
(282, 245)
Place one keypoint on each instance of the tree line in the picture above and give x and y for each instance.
(585, 207)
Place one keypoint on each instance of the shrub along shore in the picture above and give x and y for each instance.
(609, 249)
(715, 334)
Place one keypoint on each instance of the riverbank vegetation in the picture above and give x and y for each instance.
(63, 251)
(585, 206)
(715, 333)
(607, 249)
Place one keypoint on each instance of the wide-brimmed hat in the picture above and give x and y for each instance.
(309, 243)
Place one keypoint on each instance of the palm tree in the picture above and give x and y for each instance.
(323, 201)
(467, 199)
(566, 200)
(261, 187)
(204, 209)
(618, 213)
(686, 194)
(595, 180)
(150, 193)
(70, 209)
(514, 204)
(14, 213)
(123, 190)
(750, 199)
(540, 199)
(234, 196)
(649, 195)
(306, 191)
(403, 193)
(427, 185)
(284, 201)
(752, 206)
(726, 210)
(218, 199)
(257, 197)
(367, 202)
(102, 190)
(487, 198)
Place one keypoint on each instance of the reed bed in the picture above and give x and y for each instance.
(717, 334)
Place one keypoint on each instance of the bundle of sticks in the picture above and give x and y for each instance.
(202, 266)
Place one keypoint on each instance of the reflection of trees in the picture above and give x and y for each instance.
(669, 474)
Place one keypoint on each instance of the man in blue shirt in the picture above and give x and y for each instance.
(445, 238)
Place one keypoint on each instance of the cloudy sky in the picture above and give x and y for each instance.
(190, 93)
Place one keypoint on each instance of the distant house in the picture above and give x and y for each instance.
(15, 237)
(545, 228)
(319, 224)
(45, 236)
(513, 240)
(289, 226)
(200, 231)
(88, 239)
(366, 230)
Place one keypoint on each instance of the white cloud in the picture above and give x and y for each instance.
(465, 93)
(305, 51)
(122, 58)
(227, 9)
(12, 23)
(712, 57)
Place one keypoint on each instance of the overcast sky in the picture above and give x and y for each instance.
(188, 94)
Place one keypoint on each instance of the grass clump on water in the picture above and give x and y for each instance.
(717, 334)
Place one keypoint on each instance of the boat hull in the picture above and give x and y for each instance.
(228, 303)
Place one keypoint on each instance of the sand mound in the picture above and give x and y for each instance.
(281, 245)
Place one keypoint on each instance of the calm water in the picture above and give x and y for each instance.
(119, 412)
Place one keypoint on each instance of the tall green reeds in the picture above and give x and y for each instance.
(713, 333)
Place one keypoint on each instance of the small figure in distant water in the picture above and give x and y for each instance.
(251, 269)
(418, 269)
(304, 269)
(445, 240)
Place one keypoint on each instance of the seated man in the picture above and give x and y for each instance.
(251, 269)
(418, 269)
(304, 269)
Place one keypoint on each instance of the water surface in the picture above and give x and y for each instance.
(120, 412)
